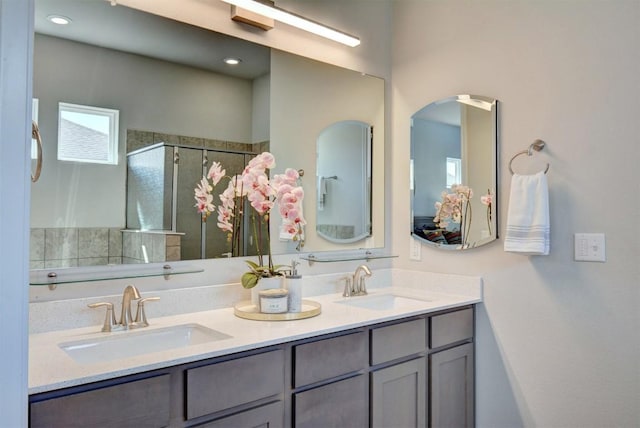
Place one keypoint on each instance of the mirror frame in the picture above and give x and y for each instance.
(469, 100)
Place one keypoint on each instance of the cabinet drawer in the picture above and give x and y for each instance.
(337, 405)
(451, 327)
(141, 403)
(328, 358)
(398, 340)
(231, 383)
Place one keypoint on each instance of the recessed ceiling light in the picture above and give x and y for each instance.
(59, 19)
(232, 61)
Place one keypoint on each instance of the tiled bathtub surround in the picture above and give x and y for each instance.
(73, 247)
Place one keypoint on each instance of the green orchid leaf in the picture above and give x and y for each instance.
(253, 265)
(249, 279)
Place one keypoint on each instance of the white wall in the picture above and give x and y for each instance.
(260, 114)
(558, 342)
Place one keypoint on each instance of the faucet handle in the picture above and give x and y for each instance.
(141, 316)
(110, 317)
(348, 289)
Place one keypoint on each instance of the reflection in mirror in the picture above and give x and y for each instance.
(172, 90)
(454, 172)
(343, 205)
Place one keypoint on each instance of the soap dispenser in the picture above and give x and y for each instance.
(294, 286)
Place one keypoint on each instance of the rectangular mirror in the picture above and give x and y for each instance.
(171, 87)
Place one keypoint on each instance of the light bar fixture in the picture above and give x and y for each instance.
(294, 20)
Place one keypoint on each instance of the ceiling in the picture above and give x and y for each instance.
(98, 23)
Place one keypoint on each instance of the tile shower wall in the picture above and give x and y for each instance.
(74, 247)
(150, 247)
(137, 139)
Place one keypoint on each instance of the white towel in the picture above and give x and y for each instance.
(528, 228)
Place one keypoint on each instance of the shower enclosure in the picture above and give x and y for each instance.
(160, 197)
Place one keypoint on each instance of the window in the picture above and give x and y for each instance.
(454, 173)
(87, 134)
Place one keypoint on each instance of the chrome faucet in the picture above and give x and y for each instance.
(126, 319)
(130, 293)
(355, 286)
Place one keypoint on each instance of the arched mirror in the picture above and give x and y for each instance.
(454, 146)
(343, 205)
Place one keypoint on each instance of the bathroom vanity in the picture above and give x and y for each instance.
(350, 366)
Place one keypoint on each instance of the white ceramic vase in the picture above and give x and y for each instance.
(265, 284)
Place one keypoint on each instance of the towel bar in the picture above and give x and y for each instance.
(537, 145)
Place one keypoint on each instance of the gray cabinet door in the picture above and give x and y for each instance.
(269, 416)
(398, 395)
(451, 387)
(342, 404)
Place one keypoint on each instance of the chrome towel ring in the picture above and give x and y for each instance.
(537, 145)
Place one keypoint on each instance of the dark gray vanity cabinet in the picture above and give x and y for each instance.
(408, 373)
(398, 386)
(330, 387)
(451, 370)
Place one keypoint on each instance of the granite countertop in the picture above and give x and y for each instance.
(50, 367)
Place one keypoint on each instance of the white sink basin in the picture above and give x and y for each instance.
(126, 344)
(382, 302)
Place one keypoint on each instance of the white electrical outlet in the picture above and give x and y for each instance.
(415, 249)
(589, 247)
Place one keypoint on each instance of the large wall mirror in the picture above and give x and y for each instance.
(454, 172)
(180, 108)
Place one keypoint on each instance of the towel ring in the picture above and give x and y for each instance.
(537, 145)
(35, 134)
